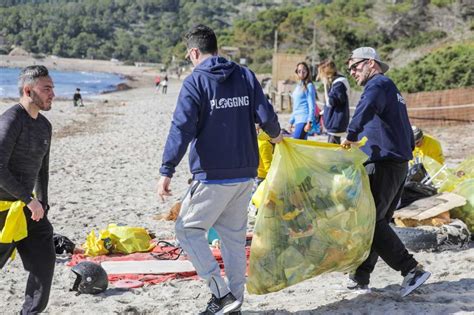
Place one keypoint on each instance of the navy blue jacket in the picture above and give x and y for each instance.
(336, 111)
(382, 116)
(217, 109)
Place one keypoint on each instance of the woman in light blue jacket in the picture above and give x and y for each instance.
(304, 100)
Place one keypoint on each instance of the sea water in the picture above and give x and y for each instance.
(65, 82)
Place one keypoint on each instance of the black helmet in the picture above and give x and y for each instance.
(91, 278)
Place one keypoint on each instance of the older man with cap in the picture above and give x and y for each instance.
(381, 116)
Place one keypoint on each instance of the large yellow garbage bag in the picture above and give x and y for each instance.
(316, 215)
(447, 179)
(466, 168)
(459, 180)
(441, 176)
(466, 212)
(257, 196)
(118, 239)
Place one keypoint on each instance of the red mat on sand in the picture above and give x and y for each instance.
(159, 252)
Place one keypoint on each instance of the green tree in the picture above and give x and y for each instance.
(447, 68)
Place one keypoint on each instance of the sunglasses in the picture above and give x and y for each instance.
(188, 54)
(355, 64)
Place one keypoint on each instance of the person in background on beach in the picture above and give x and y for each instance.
(336, 92)
(217, 109)
(426, 145)
(77, 98)
(157, 83)
(382, 117)
(165, 85)
(25, 138)
(304, 100)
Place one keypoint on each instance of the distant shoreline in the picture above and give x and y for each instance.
(66, 81)
(71, 64)
(134, 76)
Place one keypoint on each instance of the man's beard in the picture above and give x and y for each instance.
(365, 74)
(38, 102)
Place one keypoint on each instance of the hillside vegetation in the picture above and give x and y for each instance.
(151, 31)
(447, 68)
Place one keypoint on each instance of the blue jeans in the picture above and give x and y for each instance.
(299, 132)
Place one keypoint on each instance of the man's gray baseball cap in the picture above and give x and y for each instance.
(369, 53)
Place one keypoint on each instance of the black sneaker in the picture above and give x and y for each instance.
(416, 277)
(223, 305)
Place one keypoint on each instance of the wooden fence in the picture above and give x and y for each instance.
(438, 108)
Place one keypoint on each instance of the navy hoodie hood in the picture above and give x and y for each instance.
(218, 106)
(216, 68)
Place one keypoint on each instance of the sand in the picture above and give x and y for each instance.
(104, 169)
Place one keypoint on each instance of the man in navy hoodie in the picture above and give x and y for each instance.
(381, 116)
(217, 109)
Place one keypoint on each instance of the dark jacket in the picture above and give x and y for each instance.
(217, 108)
(382, 117)
(336, 111)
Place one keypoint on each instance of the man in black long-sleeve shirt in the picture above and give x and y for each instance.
(25, 137)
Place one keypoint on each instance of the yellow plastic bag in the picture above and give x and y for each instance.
(95, 246)
(257, 196)
(441, 176)
(446, 179)
(459, 180)
(466, 212)
(316, 214)
(129, 239)
(118, 239)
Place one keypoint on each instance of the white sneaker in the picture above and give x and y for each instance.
(416, 277)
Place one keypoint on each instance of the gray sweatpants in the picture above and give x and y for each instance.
(224, 207)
